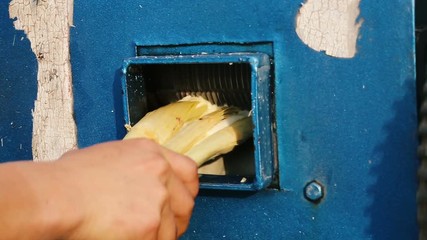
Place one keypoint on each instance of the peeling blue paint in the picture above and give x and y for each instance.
(347, 123)
(18, 82)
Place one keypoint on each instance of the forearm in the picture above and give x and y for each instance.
(32, 204)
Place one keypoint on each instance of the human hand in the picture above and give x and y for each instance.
(132, 189)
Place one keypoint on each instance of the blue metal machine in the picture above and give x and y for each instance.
(334, 153)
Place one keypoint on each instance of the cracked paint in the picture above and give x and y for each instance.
(330, 26)
(46, 24)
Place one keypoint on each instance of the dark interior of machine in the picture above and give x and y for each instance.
(150, 86)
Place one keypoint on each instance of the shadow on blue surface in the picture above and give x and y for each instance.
(393, 196)
(18, 88)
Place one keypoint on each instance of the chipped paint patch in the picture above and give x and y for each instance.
(330, 26)
(46, 24)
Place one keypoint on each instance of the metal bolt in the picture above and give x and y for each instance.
(313, 191)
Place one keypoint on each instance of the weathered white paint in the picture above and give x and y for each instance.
(47, 23)
(330, 26)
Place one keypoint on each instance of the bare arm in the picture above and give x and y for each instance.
(131, 189)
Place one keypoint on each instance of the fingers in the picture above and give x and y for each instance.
(181, 203)
(143, 160)
(185, 169)
(182, 182)
(182, 186)
(167, 228)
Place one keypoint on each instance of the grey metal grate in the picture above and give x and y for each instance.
(222, 84)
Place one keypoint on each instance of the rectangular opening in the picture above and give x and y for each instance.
(239, 79)
(220, 83)
(151, 86)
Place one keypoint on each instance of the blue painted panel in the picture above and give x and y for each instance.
(18, 81)
(348, 123)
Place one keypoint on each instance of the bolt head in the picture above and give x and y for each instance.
(313, 191)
